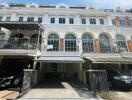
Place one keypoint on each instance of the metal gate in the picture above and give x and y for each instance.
(97, 80)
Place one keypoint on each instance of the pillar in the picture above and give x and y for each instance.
(97, 45)
(61, 44)
(127, 21)
(117, 21)
(129, 42)
(13, 17)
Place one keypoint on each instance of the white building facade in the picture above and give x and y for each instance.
(73, 39)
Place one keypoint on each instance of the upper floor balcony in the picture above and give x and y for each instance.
(13, 42)
(19, 46)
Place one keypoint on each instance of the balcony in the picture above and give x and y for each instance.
(21, 46)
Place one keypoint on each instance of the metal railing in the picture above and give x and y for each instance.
(18, 43)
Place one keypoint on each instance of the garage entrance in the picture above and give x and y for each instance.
(60, 71)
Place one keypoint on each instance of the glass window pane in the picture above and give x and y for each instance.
(53, 39)
(70, 43)
(104, 44)
(87, 42)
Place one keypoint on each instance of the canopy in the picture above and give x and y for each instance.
(21, 25)
(112, 60)
(59, 59)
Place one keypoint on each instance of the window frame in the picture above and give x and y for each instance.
(83, 21)
(8, 18)
(104, 41)
(70, 43)
(40, 19)
(92, 21)
(71, 20)
(62, 20)
(30, 19)
(20, 19)
(101, 21)
(52, 20)
(87, 43)
(53, 39)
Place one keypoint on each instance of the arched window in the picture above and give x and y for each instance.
(104, 43)
(34, 39)
(87, 43)
(16, 40)
(53, 39)
(120, 42)
(70, 42)
(2, 39)
(2, 36)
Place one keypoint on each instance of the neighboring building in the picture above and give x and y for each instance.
(65, 40)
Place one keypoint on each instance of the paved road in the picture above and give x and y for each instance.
(59, 91)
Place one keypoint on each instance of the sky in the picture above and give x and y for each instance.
(93, 3)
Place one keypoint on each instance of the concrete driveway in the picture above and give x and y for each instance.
(60, 90)
(121, 95)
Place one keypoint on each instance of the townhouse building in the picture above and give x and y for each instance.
(62, 41)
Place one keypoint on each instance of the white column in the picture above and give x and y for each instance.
(67, 20)
(77, 19)
(25, 18)
(109, 20)
(13, 17)
(4, 18)
(56, 20)
(45, 19)
(35, 18)
(97, 21)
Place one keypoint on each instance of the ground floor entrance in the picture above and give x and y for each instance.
(60, 71)
(61, 90)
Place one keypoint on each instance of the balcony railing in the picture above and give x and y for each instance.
(21, 43)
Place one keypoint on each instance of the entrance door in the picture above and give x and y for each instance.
(54, 72)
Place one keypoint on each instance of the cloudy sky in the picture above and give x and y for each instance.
(94, 3)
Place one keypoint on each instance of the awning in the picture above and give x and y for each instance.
(111, 60)
(60, 59)
(21, 25)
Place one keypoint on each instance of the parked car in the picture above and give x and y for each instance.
(117, 79)
(10, 80)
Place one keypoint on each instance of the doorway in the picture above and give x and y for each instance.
(54, 71)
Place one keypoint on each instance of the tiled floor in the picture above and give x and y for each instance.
(59, 90)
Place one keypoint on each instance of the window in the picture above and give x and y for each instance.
(30, 19)
(62, 20)
(104, 44)
(122, 22)
(53, 39)
(40, 19)
(92, 21)
(20, 19)
(8, 18)
(1, 18)
(2, 38)
(101, 21)
(113, 22)
(87, 42)
(71, 20)
(120, 42)
(70, 42)
(83, 21)
(52, 20)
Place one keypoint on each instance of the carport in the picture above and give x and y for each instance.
(60, 67)
(104, 62)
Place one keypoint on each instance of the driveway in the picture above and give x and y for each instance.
(60, 90)
(121, 95)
